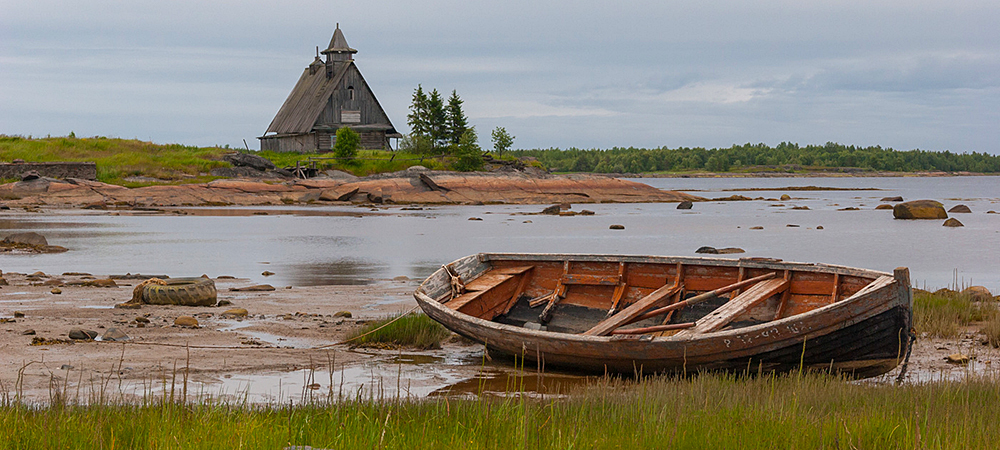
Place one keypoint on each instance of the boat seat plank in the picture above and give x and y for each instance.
(486, 282)
(598, 280)
(476, 288)
(606, 326)
(512, 270)
(736, 306)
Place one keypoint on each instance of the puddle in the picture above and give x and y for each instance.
(505, 384)
(372, 380)
(22, 300)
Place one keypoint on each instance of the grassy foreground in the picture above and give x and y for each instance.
(708, 411)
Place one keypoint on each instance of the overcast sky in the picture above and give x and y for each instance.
(904, 73)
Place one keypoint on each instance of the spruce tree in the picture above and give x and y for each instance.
(456, 120)
(437, 119)
(419, 114)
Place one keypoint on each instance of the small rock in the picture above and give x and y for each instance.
(28, 332)
(186, 322)
(974, 293)
(114, 335)
(707, 250)
(586, 212)
(29, 238)
(801, 208)
(255, 288)
(267, 273)
(65, 367)
(18, 315)
(617, 227)
(952, 222)
(962, 209)
(686, 204)
(819, 227)
(235, 313)
(785, 197)
(475, 218)
(884, 206)
(56, 291)
(527, 221)
(226, 277)
(224, 303)
(39, 274)
(551, 210)
(991, 212)
(891, 199)
(730, 250)
(141, 319)
(3, 282)
(105, 283)
(53, 282)
(345, 314)
(82, 335)
(791, 225)
(850, 208)
(958, 358)
(758, 227)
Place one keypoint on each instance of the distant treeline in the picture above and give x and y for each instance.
(785, 156)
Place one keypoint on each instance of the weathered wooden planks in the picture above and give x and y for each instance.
(733, 308)
(634, 310)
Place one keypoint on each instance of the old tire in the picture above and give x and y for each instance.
(181, 291)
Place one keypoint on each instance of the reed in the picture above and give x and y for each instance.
(408, 330)
(945, 312)
(706, 411)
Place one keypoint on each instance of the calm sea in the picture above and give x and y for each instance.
(320, 250)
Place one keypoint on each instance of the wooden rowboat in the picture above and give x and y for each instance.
(626, 314)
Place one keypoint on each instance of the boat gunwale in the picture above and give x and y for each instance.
(721, 334)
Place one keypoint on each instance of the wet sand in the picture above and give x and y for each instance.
(281, 351)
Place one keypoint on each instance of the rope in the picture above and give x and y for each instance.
(234, 347)
(912, 338)
(137, 292)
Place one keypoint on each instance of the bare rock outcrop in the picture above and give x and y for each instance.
(433, 187)
(919, 209)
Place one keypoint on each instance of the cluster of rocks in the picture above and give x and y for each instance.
(928, 210)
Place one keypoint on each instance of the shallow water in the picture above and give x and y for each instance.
(302, 248)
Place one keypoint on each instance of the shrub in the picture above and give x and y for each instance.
(347, 143)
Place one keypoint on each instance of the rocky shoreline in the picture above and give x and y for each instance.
(404, 187)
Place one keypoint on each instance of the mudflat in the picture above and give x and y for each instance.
(285, 330)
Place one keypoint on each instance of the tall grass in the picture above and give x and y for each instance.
(944, 313)
(409, 330)
(707, 411)
(117, 158)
